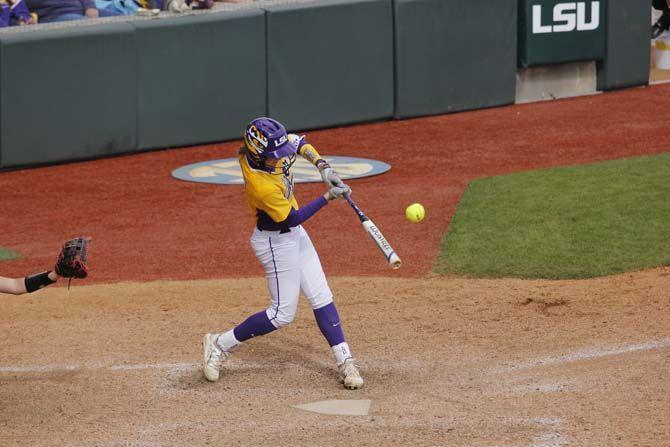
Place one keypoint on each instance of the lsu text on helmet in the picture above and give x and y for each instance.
(267, 138)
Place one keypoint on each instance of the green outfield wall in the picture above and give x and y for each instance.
(556, 31)
(56, 105)
(454, 55)
(330, 63)
(198, 77)
(81, 92)
(626, 61)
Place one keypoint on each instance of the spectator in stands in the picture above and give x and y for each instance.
(200, 4)
(122, 7)
(185, 5)
(149, 7)
(65, 10)
(14, 12)
(663, 23)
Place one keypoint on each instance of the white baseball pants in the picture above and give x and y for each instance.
(291, 264)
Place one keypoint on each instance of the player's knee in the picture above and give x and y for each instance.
(283, 318)
(321, 299)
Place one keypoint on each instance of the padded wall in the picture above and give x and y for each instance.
(626, 63)
(201, 78)
(454, 55)
(88, 91)
(540, 42)
(67, 94)
(330, 63)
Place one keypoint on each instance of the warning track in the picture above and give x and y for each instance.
(146, 225)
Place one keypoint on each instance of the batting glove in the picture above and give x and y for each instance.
(337, 192)
(328, 174)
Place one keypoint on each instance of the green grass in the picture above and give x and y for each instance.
(7, 254)
(575, 222)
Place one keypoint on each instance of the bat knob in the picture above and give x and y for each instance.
(395, 262)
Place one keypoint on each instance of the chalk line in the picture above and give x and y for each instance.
(171, 367)
(590, 353)
(233, 364)
(83, 367)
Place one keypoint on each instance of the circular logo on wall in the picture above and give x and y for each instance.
(228, 172)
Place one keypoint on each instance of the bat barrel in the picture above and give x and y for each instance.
(383, 245)
(376, 236)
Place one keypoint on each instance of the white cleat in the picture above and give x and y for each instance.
(214, 357)
(350, 376)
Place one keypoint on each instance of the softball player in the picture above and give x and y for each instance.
(283, 247)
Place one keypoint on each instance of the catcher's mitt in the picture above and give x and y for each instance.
(71, 262)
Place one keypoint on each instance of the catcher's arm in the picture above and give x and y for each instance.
(29, 284)
(71, 263)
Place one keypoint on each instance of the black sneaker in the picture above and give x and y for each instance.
(661, 25)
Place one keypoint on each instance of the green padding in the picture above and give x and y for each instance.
(330, 62)
(201, 78)
(628, 45)
(454, 55)
(67, 94)
(556, 31)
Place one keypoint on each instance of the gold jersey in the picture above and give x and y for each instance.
(272, 193)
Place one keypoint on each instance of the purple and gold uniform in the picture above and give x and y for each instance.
(283, 248)
(270, 195)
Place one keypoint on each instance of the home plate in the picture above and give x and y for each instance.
(338, 407)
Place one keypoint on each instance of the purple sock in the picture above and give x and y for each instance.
(329, 322)
(255, 325)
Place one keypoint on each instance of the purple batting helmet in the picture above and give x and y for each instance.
(266, 137)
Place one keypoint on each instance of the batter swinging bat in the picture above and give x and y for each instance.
(376, 235)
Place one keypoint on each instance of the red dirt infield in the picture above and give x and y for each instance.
(146, 225)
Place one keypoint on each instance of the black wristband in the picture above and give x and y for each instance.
(37, 281)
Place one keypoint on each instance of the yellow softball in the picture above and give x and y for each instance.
(415, 213)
